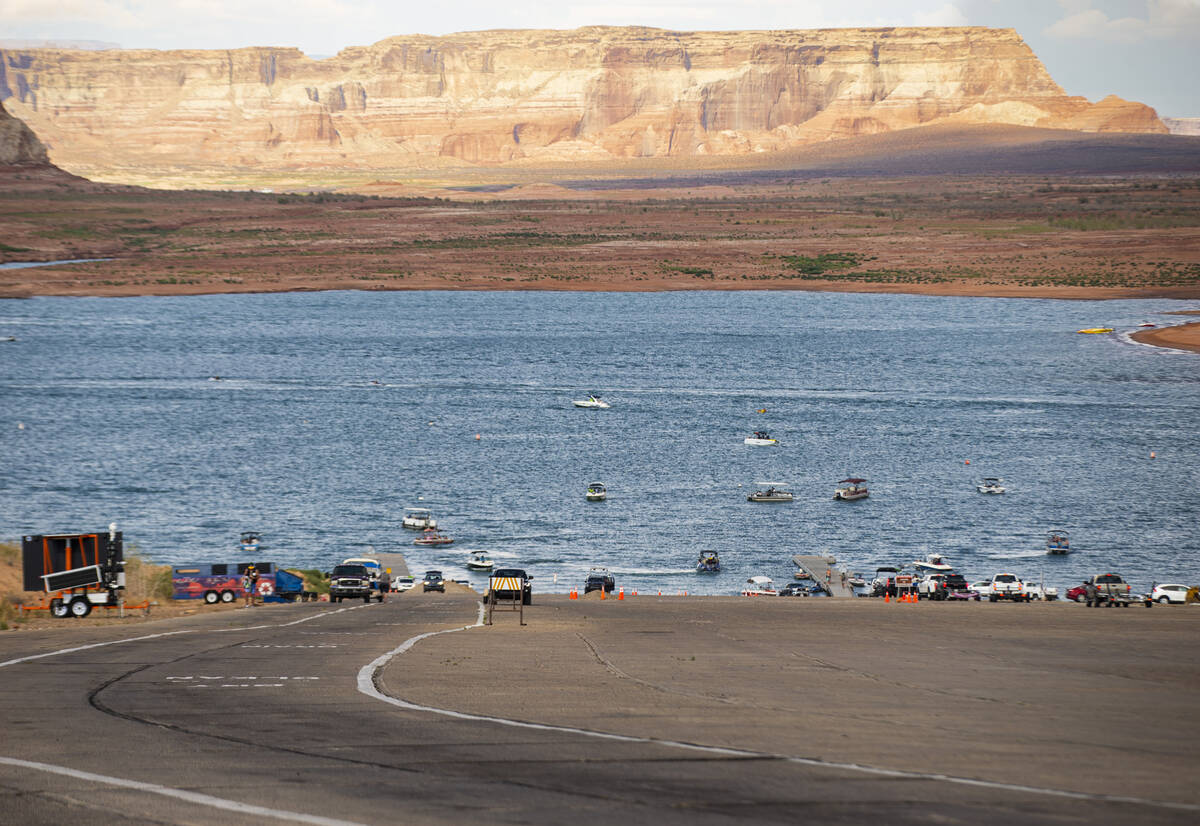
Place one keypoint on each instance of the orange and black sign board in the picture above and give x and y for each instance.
(54, 554)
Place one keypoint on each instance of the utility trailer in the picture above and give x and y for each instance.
(78, 571)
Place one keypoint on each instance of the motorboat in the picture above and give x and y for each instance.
(431, 538)
(856, 580)
(990, 484)
(418, 519)
(801, 574)
(250, 542)
(770, 492)
(592, 402)
(479, 561)
(596, 492)
(884, 575)
(759, 586)
(933, 562)
(1095, 330)
(709, 563)
(760, 437)
(851, 489)
(1058, 543)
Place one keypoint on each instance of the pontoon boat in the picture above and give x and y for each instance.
(1058, 543)
(770, 492)
(851, 489)
(431, 538)
(418, 519)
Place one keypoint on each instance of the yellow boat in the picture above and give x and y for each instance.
(1095, 330)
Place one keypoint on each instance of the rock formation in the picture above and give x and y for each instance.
(18, 145)
(532, 96)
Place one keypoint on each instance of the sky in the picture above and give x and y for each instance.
(1144, 50)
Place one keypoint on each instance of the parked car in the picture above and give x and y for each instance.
(403, 583)
(1169, 592)
(433, 582)
(803, 589)
(513, 573)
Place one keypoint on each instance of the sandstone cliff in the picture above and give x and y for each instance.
(533, 96)
(18, 145)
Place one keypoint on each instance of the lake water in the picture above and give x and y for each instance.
(108, 411)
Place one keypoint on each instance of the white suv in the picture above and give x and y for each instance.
(1169, 592)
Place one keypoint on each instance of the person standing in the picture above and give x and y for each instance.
(250, 584)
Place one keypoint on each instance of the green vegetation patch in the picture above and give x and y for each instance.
(823, 263)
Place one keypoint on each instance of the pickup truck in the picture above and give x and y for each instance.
(350, 582)
(1110, 590)
(1007, 586)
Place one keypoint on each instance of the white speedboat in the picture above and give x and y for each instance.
(990, 484)
(596, 492)
(592, 402)
(479, 561)
(933, 562)
(851, 489)
(418, 519)
(250, 542)
(770, 492)
(760, 437)
(759, 586)
(1058, 543)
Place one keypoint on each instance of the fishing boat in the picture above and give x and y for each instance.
(592, 402)
(596, 492)
(709, 563)
(933, 562)
(760, 437)
(432, 538)
(479, 561)
(770, 492)
(759, 586)
(418, 519)
(851, 489)
(1095, 330)
(1058, 543)
(250, 542)
(990, 484)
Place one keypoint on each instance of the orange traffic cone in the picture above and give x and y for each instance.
(620, 594)
(601, 593)
(574, 594)
(887, 597)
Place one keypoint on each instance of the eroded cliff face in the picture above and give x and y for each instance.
(18, 145)
(533, 96)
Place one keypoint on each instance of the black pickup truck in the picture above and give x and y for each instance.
(349, 582)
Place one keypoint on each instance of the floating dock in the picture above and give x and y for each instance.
(817, 567)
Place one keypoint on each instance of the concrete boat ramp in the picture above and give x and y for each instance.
(823, 570)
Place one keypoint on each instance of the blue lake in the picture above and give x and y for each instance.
(108, 411)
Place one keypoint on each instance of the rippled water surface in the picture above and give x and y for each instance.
(109, 411)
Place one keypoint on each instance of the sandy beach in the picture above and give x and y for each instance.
(1178, 337)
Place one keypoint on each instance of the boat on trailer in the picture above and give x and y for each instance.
(759, 586)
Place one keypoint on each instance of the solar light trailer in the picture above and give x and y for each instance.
(78, 570)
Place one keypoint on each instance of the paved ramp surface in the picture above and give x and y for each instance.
(253, 716)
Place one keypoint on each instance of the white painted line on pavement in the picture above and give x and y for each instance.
(366, 684)
(172, 633)
(179, 794)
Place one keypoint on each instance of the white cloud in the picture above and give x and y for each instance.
(1164, 19)
(947, 15)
